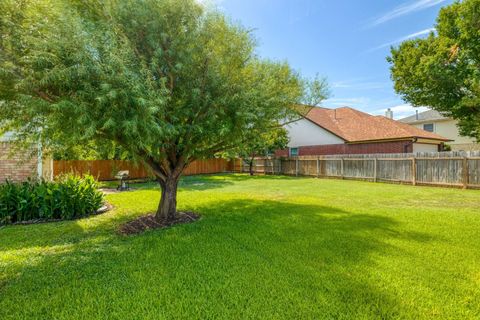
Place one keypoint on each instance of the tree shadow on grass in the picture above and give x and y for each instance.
(287, 222)
(245, 258)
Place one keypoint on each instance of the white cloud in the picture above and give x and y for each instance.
(399, 40)
(362, 103)
(405, 9)
(360, 85)
(400, 111)
(374, 106)
(358, 103)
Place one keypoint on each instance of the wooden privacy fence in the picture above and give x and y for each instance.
(105, 170)
(457, 169)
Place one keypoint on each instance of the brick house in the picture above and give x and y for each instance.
(348, 131)
(18, 166)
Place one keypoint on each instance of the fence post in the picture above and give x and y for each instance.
(465, 170)
(296, 166)
(375, 170)
(280, 166)
(341, 167)
(52, 169)
(273, 166)
(318, 167)
(414, 171)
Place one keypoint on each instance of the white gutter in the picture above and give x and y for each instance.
(8, 136)
(39, 160)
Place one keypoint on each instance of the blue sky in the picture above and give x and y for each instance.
(345, 41)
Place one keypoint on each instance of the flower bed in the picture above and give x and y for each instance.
(68, 197)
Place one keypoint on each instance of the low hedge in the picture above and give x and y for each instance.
(68, 197)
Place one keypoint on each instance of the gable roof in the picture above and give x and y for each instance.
(356, 126)
(429, 115)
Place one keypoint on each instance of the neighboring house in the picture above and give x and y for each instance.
(435, 122)
(348, 131)
(18, 166)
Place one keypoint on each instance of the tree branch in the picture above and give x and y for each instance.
(44, 96)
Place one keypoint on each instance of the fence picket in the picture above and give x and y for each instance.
(437, 168)
(460, 169)
(105, 170)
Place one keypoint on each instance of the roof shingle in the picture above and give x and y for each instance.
(356, 126)
(429, 115)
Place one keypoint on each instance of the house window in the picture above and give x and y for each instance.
(293, 152)
(428, 127)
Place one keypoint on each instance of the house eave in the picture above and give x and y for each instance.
(413, 139)
(425, 121)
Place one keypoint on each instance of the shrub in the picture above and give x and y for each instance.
(68, 197)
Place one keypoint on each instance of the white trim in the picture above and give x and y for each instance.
(51, 169)
(8, 136)
(39, 161)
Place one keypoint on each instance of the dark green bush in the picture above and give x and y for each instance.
(68, 197)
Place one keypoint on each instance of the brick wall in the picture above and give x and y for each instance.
(17, 166)
(363, 148)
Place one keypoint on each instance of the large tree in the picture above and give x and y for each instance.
(167, 80)
(443, 70)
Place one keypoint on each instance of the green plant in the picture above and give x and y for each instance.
(68, 197)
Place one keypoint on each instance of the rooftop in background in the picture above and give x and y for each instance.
(429, 115)
(356, 126)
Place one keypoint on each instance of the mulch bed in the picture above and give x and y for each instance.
(149, 222)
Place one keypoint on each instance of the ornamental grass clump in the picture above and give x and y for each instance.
(68, 197)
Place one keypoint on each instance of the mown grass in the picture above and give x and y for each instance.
(266, 247)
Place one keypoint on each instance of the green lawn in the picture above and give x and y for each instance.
(266, 247)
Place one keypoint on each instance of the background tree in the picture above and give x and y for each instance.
(262, 144)
(166, 80)
(443, 70)
(258, 144)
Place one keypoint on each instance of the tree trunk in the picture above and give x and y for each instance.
(167, 172)
(250, 167)
(167, 207)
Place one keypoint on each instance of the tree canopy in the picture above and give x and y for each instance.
(166, 80)
(443, 70)
(262, 144)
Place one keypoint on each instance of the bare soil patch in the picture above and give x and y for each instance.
(149, 222)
